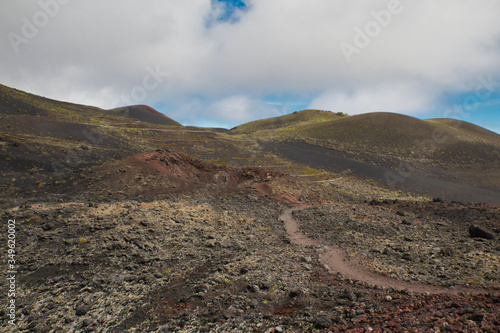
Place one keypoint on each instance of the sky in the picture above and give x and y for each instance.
(222, 63)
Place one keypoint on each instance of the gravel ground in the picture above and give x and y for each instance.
(221, 261)
(425, 241)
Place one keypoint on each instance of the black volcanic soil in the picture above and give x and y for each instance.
(434, 184)
(215, 256)
(202, 263)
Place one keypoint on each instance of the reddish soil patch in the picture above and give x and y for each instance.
(287, 198)
(164, 171)
(263, 188)
(195, 171)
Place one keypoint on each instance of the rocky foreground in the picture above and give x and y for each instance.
(215, 259)
(434, 242)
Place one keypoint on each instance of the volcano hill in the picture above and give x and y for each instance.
(438, 147)
(128, 222)
(143, 113)
(288, 121)
(45, 141)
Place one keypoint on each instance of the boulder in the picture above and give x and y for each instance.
(476, 232)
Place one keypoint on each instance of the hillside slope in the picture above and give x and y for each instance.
(395, 132)
(43, 141)
(436, 146)
(143, 113)
(287, 121)
(441, 145)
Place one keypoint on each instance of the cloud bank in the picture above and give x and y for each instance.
(227, 60)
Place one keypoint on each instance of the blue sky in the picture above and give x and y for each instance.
(223, 63)
(484, 112)
(229, 9)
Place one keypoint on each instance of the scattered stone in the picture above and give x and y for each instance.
(128, 277)
(87, 322)
(477, 232)
(82, 309)
(388, 251)
(407, 257)
(322, 321)
(447, 251)
(349, 295)
(306, 259)
(254, 288)
(294, 293)
(163, 271)
(27, 310)
(41, 328)
(33, 317)
(477, 315)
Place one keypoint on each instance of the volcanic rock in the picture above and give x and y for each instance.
(476, 232)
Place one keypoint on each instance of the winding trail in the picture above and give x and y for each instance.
(337, 260)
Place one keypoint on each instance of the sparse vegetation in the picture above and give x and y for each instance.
(121, 234)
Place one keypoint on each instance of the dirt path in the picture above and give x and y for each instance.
(338, 261)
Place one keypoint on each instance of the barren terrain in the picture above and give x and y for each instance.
(281, 225)
(216, 256)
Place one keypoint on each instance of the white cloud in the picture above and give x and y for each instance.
(235, 108)
(92, 51)
(229, 111)
(409, 99)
